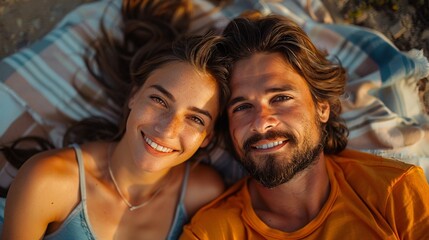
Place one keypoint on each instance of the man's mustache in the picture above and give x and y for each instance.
(269, 135)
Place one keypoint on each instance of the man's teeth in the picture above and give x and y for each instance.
(269, 145)
(156, 146)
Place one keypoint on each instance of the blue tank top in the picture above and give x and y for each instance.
(77, 226)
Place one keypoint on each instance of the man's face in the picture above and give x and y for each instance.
(274, 123)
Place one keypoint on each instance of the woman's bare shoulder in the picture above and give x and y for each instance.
(205, 184)
(56, 164)
(45, 191)
(48, 176)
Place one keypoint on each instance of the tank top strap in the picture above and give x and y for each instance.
(180, 216)
(76, 225)
(82, 184)
(185, 183)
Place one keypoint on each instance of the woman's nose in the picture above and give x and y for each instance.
(169, 126)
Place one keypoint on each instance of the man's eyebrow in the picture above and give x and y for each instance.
(204, 112)
(269, 90)
(235, 100)
(164, 91)
(279, 89)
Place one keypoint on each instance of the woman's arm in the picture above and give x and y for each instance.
(42, 195)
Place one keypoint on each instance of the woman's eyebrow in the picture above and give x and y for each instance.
(171, 97)
(164, 91)
(204, 112)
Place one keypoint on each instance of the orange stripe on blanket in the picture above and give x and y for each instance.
(23, 126)
(35, 100)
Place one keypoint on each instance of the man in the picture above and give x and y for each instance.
(285, 127)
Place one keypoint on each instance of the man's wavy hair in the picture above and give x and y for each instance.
(253, 33)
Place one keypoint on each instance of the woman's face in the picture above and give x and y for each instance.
(171, 116)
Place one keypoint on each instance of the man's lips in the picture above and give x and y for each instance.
(156, 146)
(269, 141)
(268, 145)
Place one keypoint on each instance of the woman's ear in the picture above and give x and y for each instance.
(132, 98)
(323, 110)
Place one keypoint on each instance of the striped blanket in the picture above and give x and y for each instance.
(384, 107)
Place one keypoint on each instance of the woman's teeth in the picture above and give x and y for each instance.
(157, 146)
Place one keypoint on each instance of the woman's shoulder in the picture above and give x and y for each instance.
(63, 162)
(204, 185)
(48, 172)
(203, 177)
(46, 187)
(55, 163)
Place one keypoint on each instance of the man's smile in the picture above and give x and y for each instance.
(268, 145)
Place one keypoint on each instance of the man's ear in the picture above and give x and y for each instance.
(207, 140)
(323, 109)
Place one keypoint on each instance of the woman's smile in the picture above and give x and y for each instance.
(152, 145)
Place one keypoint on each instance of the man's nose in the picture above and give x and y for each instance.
(264, 120)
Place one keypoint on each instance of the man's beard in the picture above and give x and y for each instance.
(271, 170)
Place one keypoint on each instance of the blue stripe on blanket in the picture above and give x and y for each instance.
(40, 46)
(11, 105)
(6, 71)
(391, 62)
(51, 85)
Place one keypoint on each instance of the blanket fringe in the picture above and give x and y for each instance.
(422, 63)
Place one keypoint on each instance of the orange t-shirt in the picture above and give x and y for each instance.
(371, 198)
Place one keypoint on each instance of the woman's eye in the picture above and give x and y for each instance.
(280, 98)
(241, 108)
(158, 100)
(197, 120)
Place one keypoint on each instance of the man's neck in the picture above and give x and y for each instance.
(294, 204)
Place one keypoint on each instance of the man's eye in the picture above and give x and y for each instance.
(158, 100)
(198, 120)
(241, 108)
(280, 98)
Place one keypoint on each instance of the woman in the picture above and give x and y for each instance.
(140, 186)
(135, 183)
